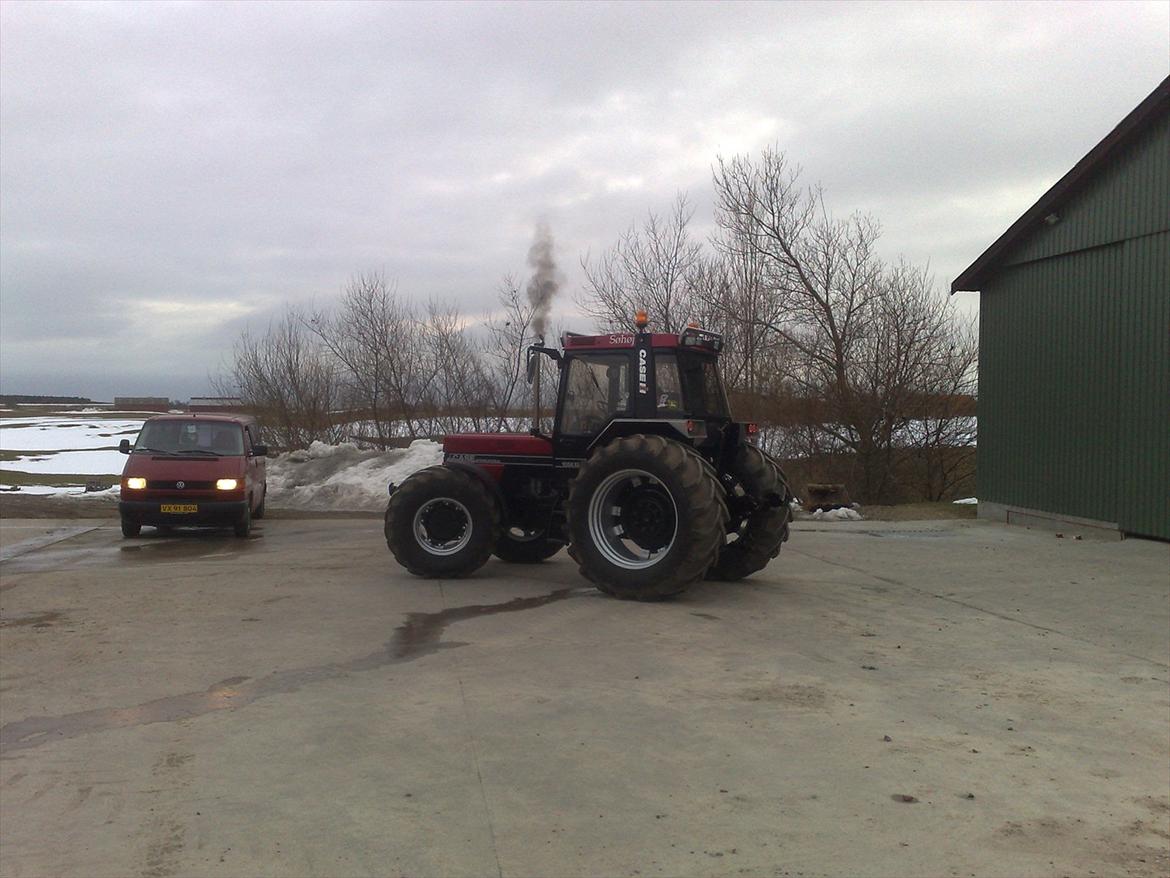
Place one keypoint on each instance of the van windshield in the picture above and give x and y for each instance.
(191, 437)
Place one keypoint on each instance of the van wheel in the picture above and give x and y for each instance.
(130, 528)
(259, 513)
(243, 527)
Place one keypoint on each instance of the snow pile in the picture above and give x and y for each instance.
(841, 514)
(344, 478)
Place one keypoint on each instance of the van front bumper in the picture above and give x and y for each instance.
(207, 512)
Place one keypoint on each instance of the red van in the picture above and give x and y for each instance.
(193, 471)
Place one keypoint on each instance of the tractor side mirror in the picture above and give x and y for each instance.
(124, 446)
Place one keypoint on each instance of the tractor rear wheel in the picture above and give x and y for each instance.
(442, 522)
(645, 518)
(760, 532)
(517, 546)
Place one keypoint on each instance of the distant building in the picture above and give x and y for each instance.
(1074, 352)
(230, 404)
(142, 403)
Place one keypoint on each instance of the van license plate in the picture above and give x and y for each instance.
(178, 507)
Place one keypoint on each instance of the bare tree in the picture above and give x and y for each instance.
(377, 341)
(503, 351)
(649, 267)
(864, 338)
(458, 397)
(289, 381)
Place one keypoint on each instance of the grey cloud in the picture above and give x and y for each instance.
(198, 154)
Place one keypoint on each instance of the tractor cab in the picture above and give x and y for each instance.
(613, 384)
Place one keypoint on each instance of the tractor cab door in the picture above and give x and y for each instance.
(595, 389)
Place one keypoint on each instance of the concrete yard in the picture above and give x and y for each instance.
(912, 699)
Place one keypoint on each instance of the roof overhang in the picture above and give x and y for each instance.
(1155, 104)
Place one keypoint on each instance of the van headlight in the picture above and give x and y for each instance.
(136, 483)
(227, 484)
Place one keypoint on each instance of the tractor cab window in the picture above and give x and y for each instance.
(667, 384)
(597, 389)
(689, 385)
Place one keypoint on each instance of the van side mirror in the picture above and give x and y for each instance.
(259, 450)
(124, 446)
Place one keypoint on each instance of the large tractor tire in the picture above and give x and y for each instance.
(442, 523)
(517, 546)
(756, 537)
(646, 518)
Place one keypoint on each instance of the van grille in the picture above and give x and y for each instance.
(174, 485)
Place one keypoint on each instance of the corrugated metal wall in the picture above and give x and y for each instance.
(1074, 401)
(1144, 387)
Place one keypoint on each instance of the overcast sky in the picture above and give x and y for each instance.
(172, 173)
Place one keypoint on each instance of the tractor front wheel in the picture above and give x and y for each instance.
(646, 518)
(442, 522)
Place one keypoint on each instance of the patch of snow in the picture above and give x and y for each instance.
(89, 463)
(77, 491)
(968, 501)
(66, 434)
(344, 477)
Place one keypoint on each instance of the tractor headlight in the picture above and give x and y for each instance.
(136, 483)
(227, 484)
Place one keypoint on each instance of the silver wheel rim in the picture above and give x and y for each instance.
(605, 527)
(436, 546)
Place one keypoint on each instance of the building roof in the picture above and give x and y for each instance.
(1153, 107)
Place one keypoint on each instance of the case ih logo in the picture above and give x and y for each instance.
(642, 389)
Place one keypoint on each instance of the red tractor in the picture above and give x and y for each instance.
(646, 478)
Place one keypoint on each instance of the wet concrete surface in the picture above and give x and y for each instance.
(909, 699)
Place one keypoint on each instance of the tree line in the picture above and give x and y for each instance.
(857, 369)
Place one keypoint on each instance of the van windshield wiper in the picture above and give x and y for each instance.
(142, 448)
(187, 451)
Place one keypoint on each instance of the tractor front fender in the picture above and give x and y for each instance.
(491, 484)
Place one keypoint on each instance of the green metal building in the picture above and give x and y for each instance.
(1074, 351)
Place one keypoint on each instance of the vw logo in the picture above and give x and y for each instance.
(180, 484)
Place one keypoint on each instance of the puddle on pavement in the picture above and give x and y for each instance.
(182, 544)
(149, 549)
(420, 635)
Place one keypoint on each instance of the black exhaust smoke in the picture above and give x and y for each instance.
(542, 287)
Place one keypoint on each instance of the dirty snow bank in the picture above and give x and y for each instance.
(344, 478)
